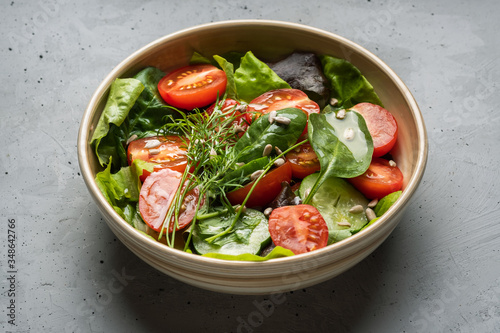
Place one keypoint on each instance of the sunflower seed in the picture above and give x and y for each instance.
(227, 108)
(238, 129)
(152, 144)
(272, 116)
(283, 120)
(370, 214)
(240, 164)
(392, 163)
(241, 107)
(279, 162)
(154, 151)
(344, 224)
(213, 153)
(349, 133)
(268, 211)
(278, 151)
(297, 201)
(333, 101)
(256, 174)
(340, 114)
(356, 209)
(241, 208)
(373, 203)
(132, 138)
(267, 150)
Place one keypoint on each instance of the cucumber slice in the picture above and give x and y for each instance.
(334, 198)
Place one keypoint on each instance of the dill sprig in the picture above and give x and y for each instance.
(209, 139)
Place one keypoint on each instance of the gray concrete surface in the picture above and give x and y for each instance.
(438, 272)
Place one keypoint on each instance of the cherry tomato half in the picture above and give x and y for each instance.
(298, 228)
(265, 191)
(278, 99)
(156, 196)
(165, 151)
(379, 180)
(304, 161)
(192, 86)
(382, 126)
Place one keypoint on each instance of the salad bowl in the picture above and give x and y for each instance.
(270, 40)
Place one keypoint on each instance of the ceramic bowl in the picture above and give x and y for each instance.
(269, 40)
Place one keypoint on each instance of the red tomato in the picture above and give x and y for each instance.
(156, 196)
(165, 152)
(298, 228)
(228, 106)
(304, 161)
(193, 86)
(265, 191)
(278, 99)
(379, 180)
(381, 125)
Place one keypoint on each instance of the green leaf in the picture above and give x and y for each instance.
(261, 133)
(122, 96)
(277, 252)
(198, 58)
(254, 77)
(121, 190)
(333, 199)
(348, 85)
(339, 155)
(228, 68)
(249, 235)
(386, 202)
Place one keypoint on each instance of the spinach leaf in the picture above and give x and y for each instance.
(348, 85)
(198, 58)
(253, 78)
(149, 112)
(249, 235)
(344, 146)
(123, 94)
(261, 132)
(277, 252)
(334, 198)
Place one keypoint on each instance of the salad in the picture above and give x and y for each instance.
(235, 158)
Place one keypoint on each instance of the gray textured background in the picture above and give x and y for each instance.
(438, 272)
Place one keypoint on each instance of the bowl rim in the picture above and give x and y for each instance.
(145, 241)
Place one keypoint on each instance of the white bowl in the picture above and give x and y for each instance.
(267, 39)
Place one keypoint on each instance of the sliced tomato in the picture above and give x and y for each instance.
(278, 99)
(266, 189)
(193, 86)
(229, 106)
(382, 126)
(379, 180)
(304, 161)
(164, 151)
(156, 196)
(298, 228)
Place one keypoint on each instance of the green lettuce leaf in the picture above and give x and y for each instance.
(122, 96)
(254, 77)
